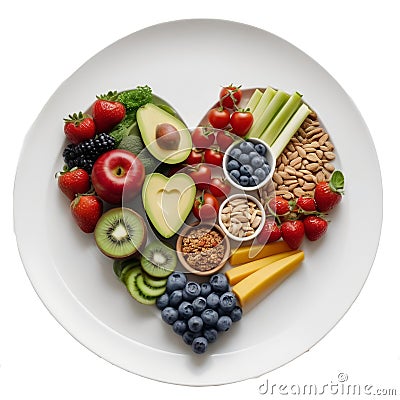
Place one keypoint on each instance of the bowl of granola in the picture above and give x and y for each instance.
(202, 248)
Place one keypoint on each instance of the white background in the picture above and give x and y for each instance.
(44, 42)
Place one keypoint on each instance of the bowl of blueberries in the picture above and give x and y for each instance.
(248, 164)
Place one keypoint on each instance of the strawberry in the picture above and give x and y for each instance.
(73, 182)
(306, 204)
(107, 112)
(86, 210)
(279, 206)
(314, 227)
(79, 127)
(328, 194)
(269, 233)
(293, 233)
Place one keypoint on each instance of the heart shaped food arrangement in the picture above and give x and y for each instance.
(202, 223)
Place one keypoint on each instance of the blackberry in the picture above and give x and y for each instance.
(84, 154)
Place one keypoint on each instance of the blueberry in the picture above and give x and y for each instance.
(205, 289)
(191, 291)
(260, 149)
(210, 334)
(244, 159)
(212, 300)
(224, 323)
(195, 324)
(246, 170)
(260, 174)
(257, 162)
(246, 147)
(169, 315)
(254, 181)
(189, 336)
(235, 153)
(219, 283)
(266, 168)
(253, 154)
(179, 327)
(209, 317)
(162, 301)
(227, 302)
(236, 314)
(244, 180)
(199, 304)
(235, 175)
(175, 298)
(177, 280)
(220, 311)
(185, 310)
(199, 345)
(233, 164)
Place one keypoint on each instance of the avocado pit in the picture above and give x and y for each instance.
(167, 136)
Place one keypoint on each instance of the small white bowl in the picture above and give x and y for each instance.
(249, 198)
(269, 157)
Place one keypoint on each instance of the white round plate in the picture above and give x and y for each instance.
(185, 62)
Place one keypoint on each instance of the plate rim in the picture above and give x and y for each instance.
(38, 286)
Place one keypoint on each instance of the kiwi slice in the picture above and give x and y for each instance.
(125, 271)
(148, 290)
(120, 233)
(158, 260)
(154, 282)
(120, 265)
(133, 289)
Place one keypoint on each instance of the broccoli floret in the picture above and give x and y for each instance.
(128, 126)
(135, 98)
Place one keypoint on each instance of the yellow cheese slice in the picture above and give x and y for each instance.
(252, 289)
(236, 274)
(246, 254)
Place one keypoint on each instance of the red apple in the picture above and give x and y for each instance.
(117, 173)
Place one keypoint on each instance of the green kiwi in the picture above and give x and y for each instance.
(134, 290)
(158, 260)
(154, 282)
(148, 290)
(119, 266)
(127, 268)
(120, 233)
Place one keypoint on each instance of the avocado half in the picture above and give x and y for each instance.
(148, 117)
(168, 201)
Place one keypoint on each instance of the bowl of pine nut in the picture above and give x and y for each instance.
(241, 217)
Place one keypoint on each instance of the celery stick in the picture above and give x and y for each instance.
(266, 98)
(289, 130)
(268, 114)
(277, 124)
(253, 101)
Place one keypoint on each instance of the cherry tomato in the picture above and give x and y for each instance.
(219, 117)
(219, 187)
(213, 156)
(195, 157)
(201, 175)
(223, 139)
(206, 207)
(202, 138)
(241, 122)
(230, 96)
